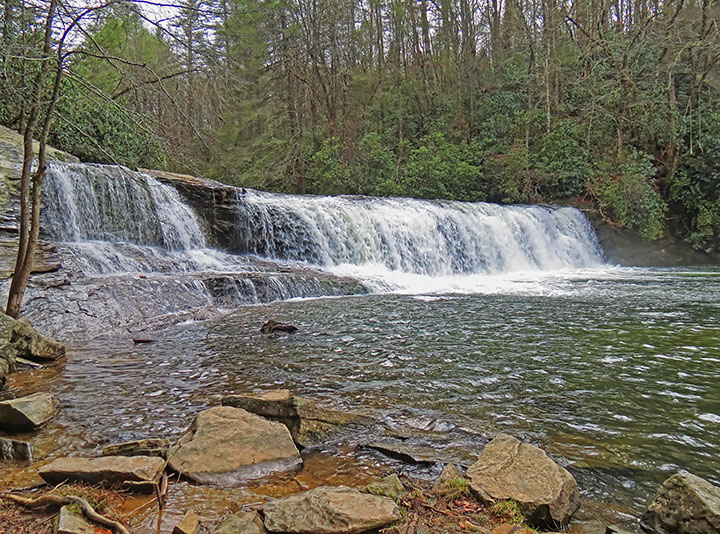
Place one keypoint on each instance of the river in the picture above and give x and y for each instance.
(614, 371)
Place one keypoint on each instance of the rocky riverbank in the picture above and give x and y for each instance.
(510, 488)
(628, 249)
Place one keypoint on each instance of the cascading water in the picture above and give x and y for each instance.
(435, 238)
(85, 202)
(135, 249)
(132, 250)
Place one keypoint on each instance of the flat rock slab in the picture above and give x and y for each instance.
(275, 404)
(139, 473)
(408, 453)
(226, 446)
(242, 523)
(28, 412)
(546, 494)
(141, 447)
(330, 510)
(12, 449)
(309, 423)
(684, 504)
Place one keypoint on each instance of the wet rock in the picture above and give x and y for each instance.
(272, 327)
(189, 524)
(409, 453)
(28, 412)
(277, 404)
(141, 447)
(137, 473)
(316, 423)
(511, 528)
(327, 510)
(684, 504)
(546, 494)
(309, 423)
(12, 449)
(226, 445)
(390, 486)
(70, 521)
(447, 483)
(242, 523)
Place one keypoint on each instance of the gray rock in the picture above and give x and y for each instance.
(409, 453)
(309, 423)
(71, 522)
(684, 504)
(327, 510)
(546, 494)
(12, 449)
(141, 447)
(138, 473)
(226, 445)
(276, 404)
(189, 524)
(242, 523)
(29, 343)
(28, 412)
(390, 486)
(447, 483)
(19, 339)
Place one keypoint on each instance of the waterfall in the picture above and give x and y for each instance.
(134, 253)
(84, 202)
(434, 238)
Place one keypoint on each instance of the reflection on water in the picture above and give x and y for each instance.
(616, 374)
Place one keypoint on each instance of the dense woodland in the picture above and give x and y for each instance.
(612, 104)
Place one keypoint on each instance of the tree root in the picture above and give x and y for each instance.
(59, 501)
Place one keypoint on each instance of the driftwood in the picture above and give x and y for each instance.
(162, 490)
(59, 501)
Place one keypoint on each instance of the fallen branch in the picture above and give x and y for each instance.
(59, 501)
(161, 490)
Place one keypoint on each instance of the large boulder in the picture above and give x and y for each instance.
(29, 343)
(139, 473)
(226, 445)
(327, 510)
(18, 338)
(546, 494)
(684, 504)
(26, 413)
(309, 423)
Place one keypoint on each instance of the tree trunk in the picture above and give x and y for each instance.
(30, 205)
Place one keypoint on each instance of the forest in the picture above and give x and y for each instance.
(612, 105)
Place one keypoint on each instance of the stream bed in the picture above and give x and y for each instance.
(614, 372)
